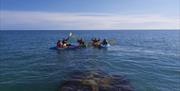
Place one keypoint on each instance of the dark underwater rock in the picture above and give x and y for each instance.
(95, 81)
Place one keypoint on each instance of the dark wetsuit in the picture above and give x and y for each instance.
(81, 42)
(104, 42)
(65, 41)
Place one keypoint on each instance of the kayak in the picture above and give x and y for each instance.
(69, 47)
(104, 46)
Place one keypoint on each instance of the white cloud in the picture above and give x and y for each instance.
(51, 20)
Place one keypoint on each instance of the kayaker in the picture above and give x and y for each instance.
(95, 42)
(65, 42)
(81, 42)
(59, 44)
(104, 42)
(98, 42)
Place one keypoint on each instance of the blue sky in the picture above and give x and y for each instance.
(89, 14)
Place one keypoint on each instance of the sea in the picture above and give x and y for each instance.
(149, 59)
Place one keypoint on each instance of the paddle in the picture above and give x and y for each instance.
(72, 38)
(70, 34)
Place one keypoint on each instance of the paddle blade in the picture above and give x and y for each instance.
(70, 34)
(72, 38)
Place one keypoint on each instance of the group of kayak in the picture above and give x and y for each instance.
(80, 43)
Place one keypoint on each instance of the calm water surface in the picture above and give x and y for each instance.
(149, 59)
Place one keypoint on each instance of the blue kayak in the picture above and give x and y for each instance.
(104, 46)
(69, 47)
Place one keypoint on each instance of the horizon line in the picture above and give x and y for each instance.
(82, 29)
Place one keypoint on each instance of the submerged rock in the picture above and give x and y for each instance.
(95, 81)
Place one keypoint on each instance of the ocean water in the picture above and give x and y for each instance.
(149, 59)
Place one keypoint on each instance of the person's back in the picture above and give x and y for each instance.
(60, 44)
(80, 41)
(104, 42)
(64, 43)
(57, 44)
